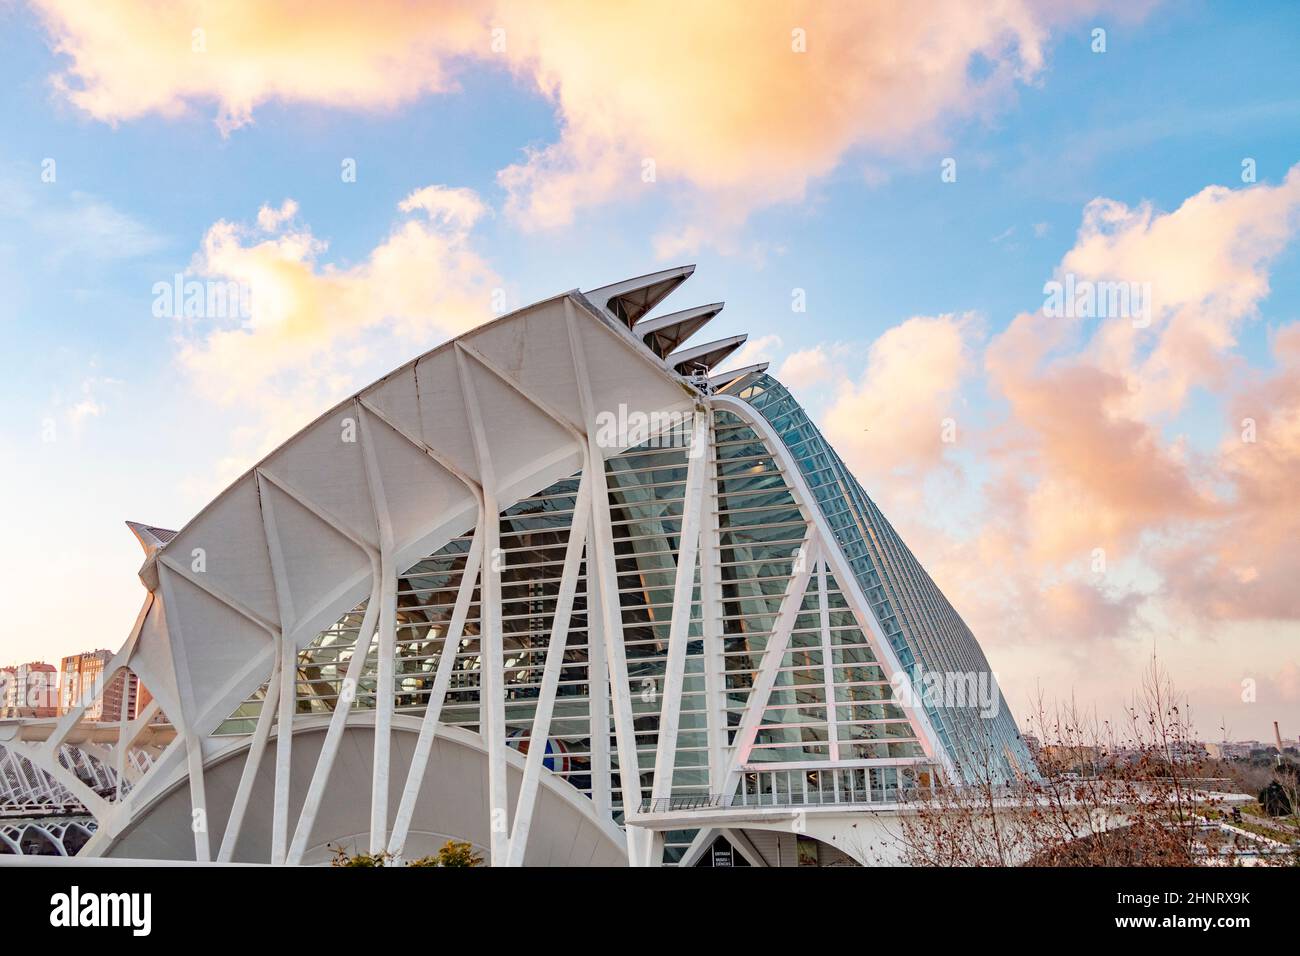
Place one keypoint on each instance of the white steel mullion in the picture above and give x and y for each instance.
(438, 694)
(629, 770)
(491, 651)
(828, 675)
(537, 739)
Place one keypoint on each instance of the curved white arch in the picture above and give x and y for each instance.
(450, 806)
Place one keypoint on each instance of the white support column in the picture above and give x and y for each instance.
(198, 799)
(537, 739)
(605, 571)
(597, 695)
(828, 659)
(715, 682)
(256, 749)
(680, 624)
(384, 685)
(492, 655)
(438, 694)
(288, 698)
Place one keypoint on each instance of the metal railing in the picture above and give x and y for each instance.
(777, 788)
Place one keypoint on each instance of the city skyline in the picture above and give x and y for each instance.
(1086, 487)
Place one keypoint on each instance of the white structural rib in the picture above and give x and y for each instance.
(630, 300)
(387, 639)
(703, 358)
(491, 638)
(235, 821)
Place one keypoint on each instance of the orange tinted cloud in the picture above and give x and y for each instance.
(1207, 264)
(1246, 566)
(748, 101)
(128, 58)
(903, 413)
(314, 330)
(742, 102)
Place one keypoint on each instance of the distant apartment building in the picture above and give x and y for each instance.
(78, 674)
(1247, 749)
(30, 690)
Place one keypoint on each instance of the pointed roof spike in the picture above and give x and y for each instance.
(667, 332)
(151, 538)
(704, 357)
(631, 299)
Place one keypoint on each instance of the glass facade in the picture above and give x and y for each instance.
(926, 633)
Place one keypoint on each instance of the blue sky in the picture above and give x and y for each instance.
(1178, 99)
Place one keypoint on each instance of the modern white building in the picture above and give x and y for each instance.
(615, 607)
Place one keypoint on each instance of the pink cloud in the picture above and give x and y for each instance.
(741, 104)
